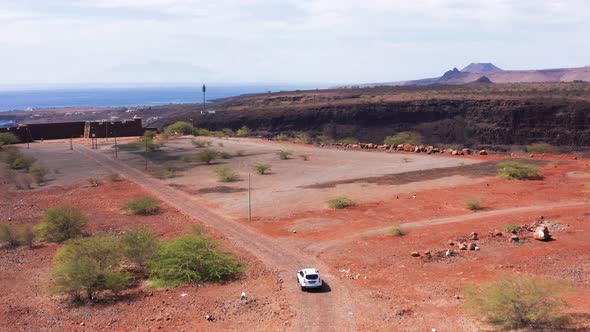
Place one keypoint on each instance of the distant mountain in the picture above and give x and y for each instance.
(473, 73)
(481, 68)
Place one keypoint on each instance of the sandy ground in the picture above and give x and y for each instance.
(388, 290)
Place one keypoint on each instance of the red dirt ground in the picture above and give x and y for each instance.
(392, 291)
(26, 302)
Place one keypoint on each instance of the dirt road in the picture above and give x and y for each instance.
(328, 310)
(440, 221)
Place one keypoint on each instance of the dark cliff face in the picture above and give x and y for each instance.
(468, 122)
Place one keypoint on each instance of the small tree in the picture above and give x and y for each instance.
(179, 128)
(143, 206)
(539, 148)
(225, 174)
(207, 156)
(243, 132)
(139, 245)
(474, 203)
(22, 162)
(262, 168)
(515, 170)
(341, 202)
(302, 138)
(39, 173)
(7, 138)
(89, 265)
(519, 301)
(282, 137)
(397, 231)
(8, 235)
(61, 223)
(404, 137)
(284, 154)
(190, 260)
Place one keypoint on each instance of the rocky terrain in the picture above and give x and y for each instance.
(475, 115)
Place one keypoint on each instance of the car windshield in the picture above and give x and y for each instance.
(311, 276)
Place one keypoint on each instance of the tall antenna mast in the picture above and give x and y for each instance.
(204, 91)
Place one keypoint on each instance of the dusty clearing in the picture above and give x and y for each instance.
(374, 283)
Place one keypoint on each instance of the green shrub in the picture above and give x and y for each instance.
(143, 206)
(139, 245)
(93, 181)
(23, 181)
(228, 132)
(39, 173)
(87, 266)
(185, 159)
(515, 170)
(60, 223)
(519, 301)
(474, 203)
(282, 137)
(539, 148)
(115, 177)
(511, 228)
(8, 235)
(225, 155)
(243, 132)
(179, 128)
(347, 140)
(397, 231)
(22, 162)
(197, 143)
(284, 155)
(225, 174)
(7, 138)
(207, 156)
(191, 260)
(166, 171)
(262, 168)
(302, 138)
(341, 202)
(146, 142)
(206, 132)
(404, 137)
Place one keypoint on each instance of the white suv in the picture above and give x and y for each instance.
(309, 278)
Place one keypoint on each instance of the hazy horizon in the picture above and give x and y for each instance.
(67, 42)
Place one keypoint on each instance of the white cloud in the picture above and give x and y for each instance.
(308, 40)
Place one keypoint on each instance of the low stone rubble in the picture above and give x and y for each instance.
(406, 148)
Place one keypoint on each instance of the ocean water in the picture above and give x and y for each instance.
(116, 97)
(121, 97)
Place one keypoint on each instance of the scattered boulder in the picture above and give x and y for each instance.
(210, 318)
(498, 232)
(473, 236)
(415, 254)
(450, 253)
(483, 153)
(514, 238)
(466, 151)
(471, 246)
(542, 234)
(462, 246)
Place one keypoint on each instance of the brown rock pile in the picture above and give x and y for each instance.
(407, 148)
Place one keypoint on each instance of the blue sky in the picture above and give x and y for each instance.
(328, 41)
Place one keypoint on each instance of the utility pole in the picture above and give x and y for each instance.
(204, 91)
(116, 152)
(71, 145)
(249, 199)
(145, 154)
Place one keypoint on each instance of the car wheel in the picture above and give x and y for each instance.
(303, 288)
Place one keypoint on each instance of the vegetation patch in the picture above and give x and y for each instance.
(243, 132)
(539, 148)
(206, 132)
(7, 138)
(143, 206)
(191, 260)
(262, 168)
(397, 231)
(115, 177)
(281, 138)
(519, 301)
(179, 128)
(16, 235)
(207, 156)
(197, 143)
(221, 189)
(511, 228)
(284, 154)
(139, 245)
(39, 173)
(404, 137)
(347, 140)
(61, 223)
(341, 202)
(474, 203)
(226, 174)
(87, 266)
(302, 138)
(514, 170)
